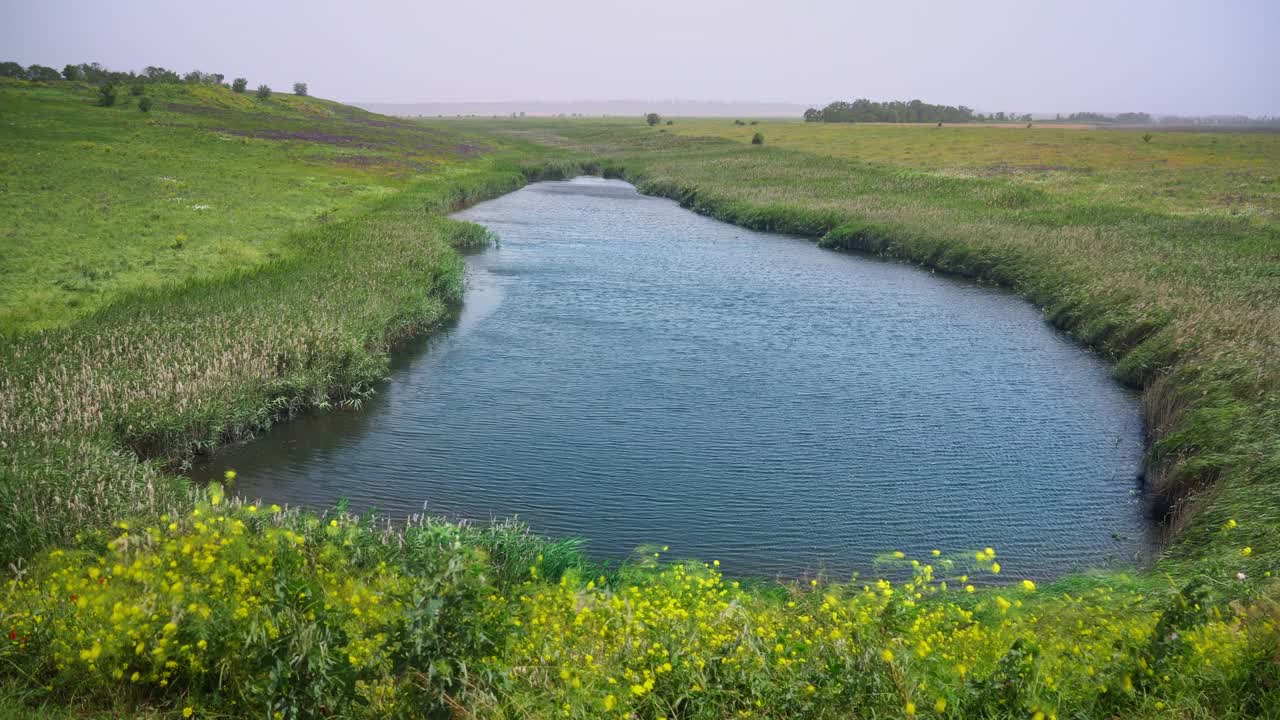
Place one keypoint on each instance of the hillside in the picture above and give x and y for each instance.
(100, 201)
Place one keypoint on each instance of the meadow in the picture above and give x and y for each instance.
(101, 201)
(324, 243)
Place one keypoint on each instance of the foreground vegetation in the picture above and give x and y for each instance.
(249, 610)
(131, 593)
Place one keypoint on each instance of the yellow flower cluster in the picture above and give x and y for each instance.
(198, 600)
(233, 603)
(683, 639)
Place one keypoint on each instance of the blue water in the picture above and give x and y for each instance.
(626, 371)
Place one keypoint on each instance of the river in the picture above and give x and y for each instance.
(626, 371)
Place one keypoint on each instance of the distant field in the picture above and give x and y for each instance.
(99, 201)
(1194, 173)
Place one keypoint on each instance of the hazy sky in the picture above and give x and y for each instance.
(1210, 56)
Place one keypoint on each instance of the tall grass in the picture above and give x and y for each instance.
(93, 417)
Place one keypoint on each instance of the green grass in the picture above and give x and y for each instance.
(1235, 174)
(139, 370)
(101, 201)
(124, 353)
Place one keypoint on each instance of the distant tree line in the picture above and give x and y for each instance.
(1128, 118)
(96, 74)
(864, 110)
(1240, 121)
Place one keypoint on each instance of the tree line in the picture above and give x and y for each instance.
(1129, 118)
(864, 110)
(96, 74)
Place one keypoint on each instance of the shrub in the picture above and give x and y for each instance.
(757, 139)
(738, 122)
(239, 85)
(300, 89)
(43, 73)
(671, 122)
(1146, 137)
(231, 609)
(264, 92)
(248, 607)
(652, 119)
(107, 95)
(144, 104)
(137, 88)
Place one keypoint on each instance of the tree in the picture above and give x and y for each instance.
(239, 85)
(300, 89)
(93, 72)
(757, 139)
(1146, 137)
(71, 72)
(264, 92)
(107, 95)
(864, 110)
(160, 75)
(144, 104)
(43, 73)
(652, 119)
(12, 70)
(137, 88)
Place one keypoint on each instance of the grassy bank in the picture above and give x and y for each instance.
(133, 594)
(1180, 292)
(109, 386)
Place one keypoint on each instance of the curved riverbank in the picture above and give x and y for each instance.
(1210, 391)
(631, 373)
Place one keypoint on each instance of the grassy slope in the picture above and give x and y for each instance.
(100, 201)
(285, 295)
(1182, 290)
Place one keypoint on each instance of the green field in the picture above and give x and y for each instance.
(182, 278)
(102, 202)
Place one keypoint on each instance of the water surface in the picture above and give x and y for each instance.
(629, 372)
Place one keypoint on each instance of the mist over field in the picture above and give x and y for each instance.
(1179, 57)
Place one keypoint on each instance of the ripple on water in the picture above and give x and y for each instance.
(627, 371)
